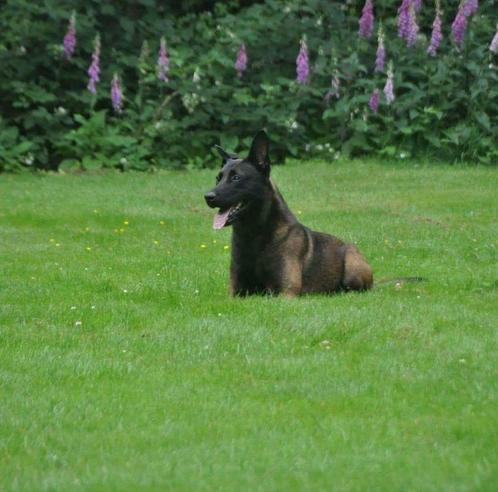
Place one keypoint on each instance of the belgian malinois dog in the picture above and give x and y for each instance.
(272, 253)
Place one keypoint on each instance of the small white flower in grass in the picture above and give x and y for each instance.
(73, 308)
(462, 361)
(78, 323)
(125, 291)
(93, 307)
(196, 291)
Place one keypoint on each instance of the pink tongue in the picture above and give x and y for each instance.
(220, 219)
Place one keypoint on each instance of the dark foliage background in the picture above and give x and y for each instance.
(446, 107)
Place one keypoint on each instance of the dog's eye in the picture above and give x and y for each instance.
(235, 177)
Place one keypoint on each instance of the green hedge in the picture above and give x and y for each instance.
(446, 106)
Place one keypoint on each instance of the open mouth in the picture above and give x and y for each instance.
(225, 217)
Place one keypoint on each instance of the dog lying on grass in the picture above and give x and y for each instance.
(272, 253)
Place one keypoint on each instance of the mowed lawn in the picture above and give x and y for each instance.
(124, 365)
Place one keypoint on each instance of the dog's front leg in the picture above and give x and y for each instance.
(291, 281)
(240, 286)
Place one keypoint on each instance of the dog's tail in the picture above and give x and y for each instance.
(398, 281)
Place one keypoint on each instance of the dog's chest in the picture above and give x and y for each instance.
(257, 264)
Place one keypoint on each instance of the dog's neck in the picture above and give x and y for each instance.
(270, 218)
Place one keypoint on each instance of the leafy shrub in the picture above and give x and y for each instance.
(446, 106)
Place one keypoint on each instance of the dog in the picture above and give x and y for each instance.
(272, 253)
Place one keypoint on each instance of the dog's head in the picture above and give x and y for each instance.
(241, 183)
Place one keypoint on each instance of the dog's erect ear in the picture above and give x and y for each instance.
(258, 155)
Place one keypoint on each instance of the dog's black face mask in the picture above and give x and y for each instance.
(240, 183)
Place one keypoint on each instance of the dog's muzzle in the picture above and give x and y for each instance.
(210, 198)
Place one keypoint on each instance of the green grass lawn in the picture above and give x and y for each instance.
(124, 365)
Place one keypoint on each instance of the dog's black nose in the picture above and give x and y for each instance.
(210, 197)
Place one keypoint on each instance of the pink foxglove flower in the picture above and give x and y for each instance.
(367, 20)
(404, 19)
(70, 37)
(116, 94)
(241, 61)
(163, 62)
(389, 87)
(94, 69)
(417, 4)
(374, 100)
(380, 58)
(470, 7)
(493, 47)
(302, 64)
(437, 35)
(411, 35)
(459, 26)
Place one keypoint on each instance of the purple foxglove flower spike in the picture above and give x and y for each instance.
(241, 61)
(116, 94)
(163, 62)
(417, 4)
(389, 87)
(436, 33)
(381, 52)
(367, 20)
(302, 64)
(411, 35)
(494, 43)
(70, 37)
(374, 100)
(404, 19)
(470, 7)
(94, 69)
(459, 26)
